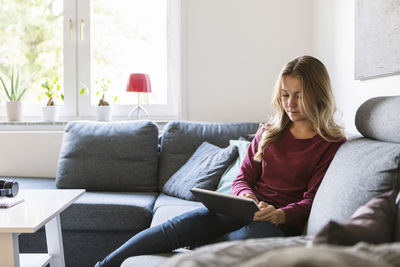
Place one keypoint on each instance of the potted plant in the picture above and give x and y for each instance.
(13, 95)
(52, 91)
(103, 108)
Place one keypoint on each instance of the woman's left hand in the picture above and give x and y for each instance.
(269, 213)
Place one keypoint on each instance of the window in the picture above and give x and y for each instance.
(84, 41)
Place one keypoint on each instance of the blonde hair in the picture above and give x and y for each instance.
(317, 100)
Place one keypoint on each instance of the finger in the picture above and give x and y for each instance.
(263, 215)
(262, 204)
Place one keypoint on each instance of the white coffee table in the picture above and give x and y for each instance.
(41, 207)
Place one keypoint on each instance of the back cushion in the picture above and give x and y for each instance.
(180, 140)
(378, 118)
(117, 156)
(360, 170)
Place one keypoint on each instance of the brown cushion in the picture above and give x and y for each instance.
(372, 223)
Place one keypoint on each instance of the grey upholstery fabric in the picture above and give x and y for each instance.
(146, 260)
(203, 170)
(325, 256)
(233, 253)
(165, 200)
(361, 169)
(167, 207)
(111, 211)
(98, 156)
(180, 140)
(286, 252)
(378, 118)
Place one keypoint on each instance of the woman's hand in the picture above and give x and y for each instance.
(251, 196)
(269, 213)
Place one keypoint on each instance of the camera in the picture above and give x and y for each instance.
(8, 188)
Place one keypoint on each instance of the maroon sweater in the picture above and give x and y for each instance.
(289, 174)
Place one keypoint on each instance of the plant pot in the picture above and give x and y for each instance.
(51, 113)
(14, 110)
(103, 113)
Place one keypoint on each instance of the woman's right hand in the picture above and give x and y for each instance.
(251, 196)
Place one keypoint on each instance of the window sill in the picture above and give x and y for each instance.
(38, 125)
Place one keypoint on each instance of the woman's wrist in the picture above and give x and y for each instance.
(280, 217)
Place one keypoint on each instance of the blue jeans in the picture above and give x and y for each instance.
(194, 228)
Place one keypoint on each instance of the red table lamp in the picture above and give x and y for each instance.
(138, 83)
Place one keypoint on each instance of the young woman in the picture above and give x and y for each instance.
(282, 170)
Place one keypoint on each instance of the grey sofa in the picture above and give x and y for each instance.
(123, 167)
(108, 215)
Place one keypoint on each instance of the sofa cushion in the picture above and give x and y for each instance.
(203, 170)
(110, 211)
(372, 223)
(117, 156)
(233, 253)
(324, 256)
(378, 118)
(167, 207)
(165, 200)
(180, 140)
(225, 184)
(147, 260)
(361, 169)
(101, 211)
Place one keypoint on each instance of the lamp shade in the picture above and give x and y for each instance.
(139, 82)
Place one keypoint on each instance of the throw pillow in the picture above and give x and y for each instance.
(115, 156)
(203, 170)
(373, 223)
(232, 172)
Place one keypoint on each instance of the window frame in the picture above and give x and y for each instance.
(77, 57)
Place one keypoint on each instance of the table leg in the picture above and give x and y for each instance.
(54, 242)
(9, 250)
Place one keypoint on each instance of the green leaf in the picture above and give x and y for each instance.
(62, 97)
(16, 84)
(82, 91)
(12, 85)
(5, 89)
(22, 93)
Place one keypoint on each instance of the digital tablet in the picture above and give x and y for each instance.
(239, 207)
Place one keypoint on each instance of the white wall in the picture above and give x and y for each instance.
(334, 45)
(30, 154)
(234, 52)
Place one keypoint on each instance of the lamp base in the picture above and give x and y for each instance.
(137, 109)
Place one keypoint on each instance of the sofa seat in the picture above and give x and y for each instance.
(110, 211)
(102, 211)
(147, 260)
(167, 207)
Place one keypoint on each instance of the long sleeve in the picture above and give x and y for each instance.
(288, 175)
(250, 169)
(297, 213)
